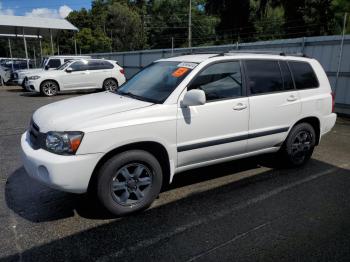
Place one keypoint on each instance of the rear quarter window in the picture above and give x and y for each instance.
(303, 74)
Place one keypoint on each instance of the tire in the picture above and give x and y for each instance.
(49, 88)
(110, 84)
(299, 145)
(129, 182)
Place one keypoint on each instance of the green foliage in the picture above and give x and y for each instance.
(122, 25)
(125, 27)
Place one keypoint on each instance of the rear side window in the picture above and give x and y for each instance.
(107, 65)
(264, 76)
(94, 65)
(304, 75)
(286, 75)
(220, 81)
(54, 63)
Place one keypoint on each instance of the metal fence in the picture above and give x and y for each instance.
(326, 49)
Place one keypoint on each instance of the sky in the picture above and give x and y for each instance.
(42, 8)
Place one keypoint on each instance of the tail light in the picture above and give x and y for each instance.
(333, 101)
(122, 71)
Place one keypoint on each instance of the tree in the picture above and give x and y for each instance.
(340, 7)
(124, 26)
(302, 17)
(234, 17)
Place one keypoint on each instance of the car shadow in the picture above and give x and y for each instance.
(122, 237)
(38, 203)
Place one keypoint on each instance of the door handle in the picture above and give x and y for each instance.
(239, 107)
(292, 98)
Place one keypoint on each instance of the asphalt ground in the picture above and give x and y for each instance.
(245, 210)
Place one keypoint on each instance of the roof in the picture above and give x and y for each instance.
(196, 58)
(199, 58)
(33, 25)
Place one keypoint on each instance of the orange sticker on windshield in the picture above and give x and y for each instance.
(180, 72)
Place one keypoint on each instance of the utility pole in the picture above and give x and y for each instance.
(190, 25)
(172, 46)
(340, 54)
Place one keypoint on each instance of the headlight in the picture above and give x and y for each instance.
(63, 143)
(33, 77)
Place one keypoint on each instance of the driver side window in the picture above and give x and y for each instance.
(220, 81)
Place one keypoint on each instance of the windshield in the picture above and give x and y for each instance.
(64, 65)
(43, 63)
(157, 81)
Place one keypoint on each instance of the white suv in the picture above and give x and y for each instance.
(178, 114)
(48, 63)
(77, 75)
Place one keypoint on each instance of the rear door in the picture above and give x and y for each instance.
(274, 103)
(99, 71)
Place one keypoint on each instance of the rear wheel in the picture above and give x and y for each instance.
(129, 182)
(299, 145)
(49, 88)
(110, 84)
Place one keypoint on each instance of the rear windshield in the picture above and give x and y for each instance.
(157, 81)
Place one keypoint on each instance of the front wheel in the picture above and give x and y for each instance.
(129, 182)
(299, 145)
(49, 88)
(110, 84)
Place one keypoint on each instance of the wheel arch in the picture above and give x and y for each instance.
(314, 122)
(155, 148)
(110, 77)
(53, 80)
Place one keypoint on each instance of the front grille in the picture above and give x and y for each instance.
(35, 137)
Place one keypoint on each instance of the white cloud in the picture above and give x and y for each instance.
(6, 11)
(62, 12)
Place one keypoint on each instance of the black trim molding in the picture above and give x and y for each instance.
(231, 139)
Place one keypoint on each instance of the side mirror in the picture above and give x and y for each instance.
(69, 70)
(194, 97)
(47, 67)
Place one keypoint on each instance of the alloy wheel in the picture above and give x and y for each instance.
(110, 85)
(49, 88)
(301, 146)
(131, 184)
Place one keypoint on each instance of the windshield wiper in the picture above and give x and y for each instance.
(129, 94)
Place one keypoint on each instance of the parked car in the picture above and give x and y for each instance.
(178, 114)
(8, 66)
(48, 63)
(77, 75)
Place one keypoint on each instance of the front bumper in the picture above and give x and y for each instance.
(66, 173)
(32, 86)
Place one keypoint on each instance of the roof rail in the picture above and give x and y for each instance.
(231, 52)
(271, 52)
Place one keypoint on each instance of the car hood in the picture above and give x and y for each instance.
(45, 73)
(29, 71)
(69, 113)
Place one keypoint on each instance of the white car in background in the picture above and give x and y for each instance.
(48, 63)
(77, 75)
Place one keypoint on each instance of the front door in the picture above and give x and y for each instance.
(219, 128)
(78, 77)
